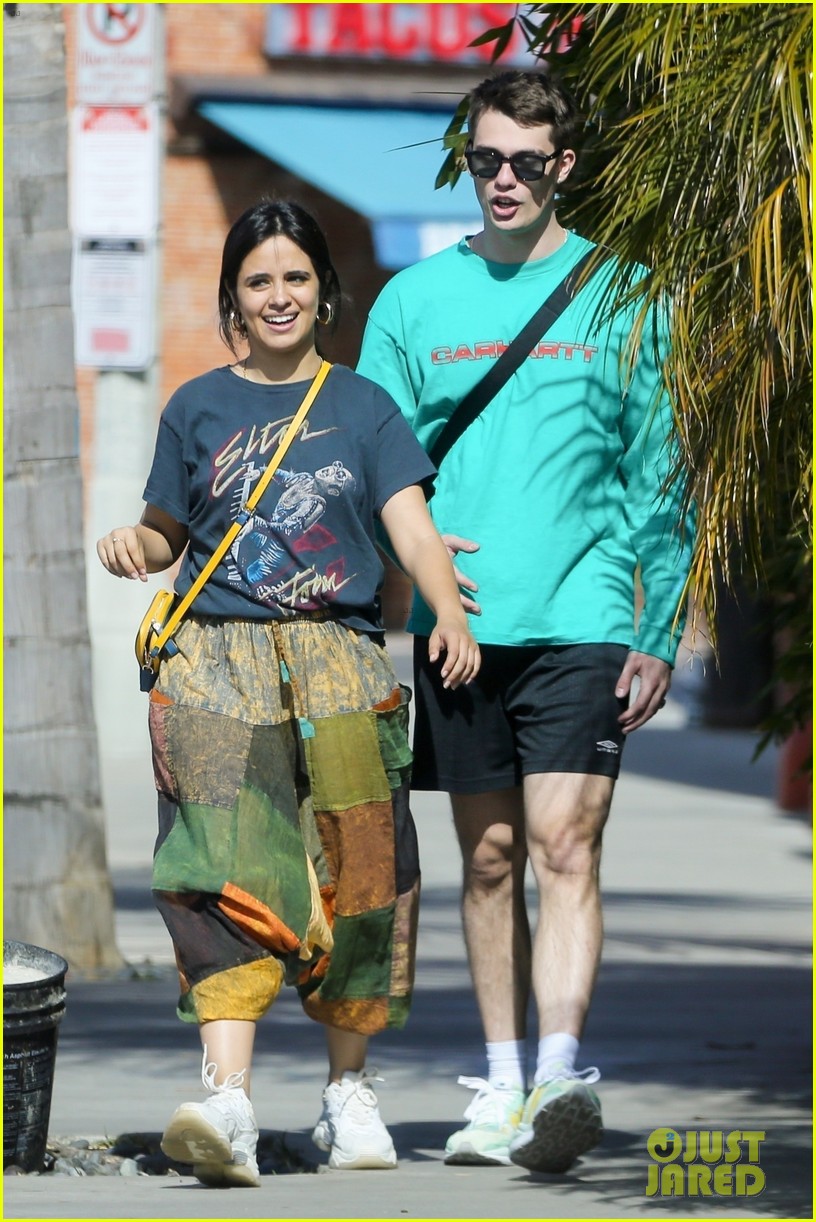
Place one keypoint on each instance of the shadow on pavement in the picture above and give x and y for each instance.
(738, 1025)
(715, 1027)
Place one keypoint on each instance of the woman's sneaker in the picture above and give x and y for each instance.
(350, 1127)
(561, 1121)
(219, 1136)
(492, 1119)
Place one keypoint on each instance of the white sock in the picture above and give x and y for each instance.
(554, 1051)
(507, 1064)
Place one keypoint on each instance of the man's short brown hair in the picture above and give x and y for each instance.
(530, 99)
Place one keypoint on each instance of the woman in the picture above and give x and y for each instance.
(286, 850)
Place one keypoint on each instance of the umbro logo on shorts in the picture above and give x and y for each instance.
(607, 745)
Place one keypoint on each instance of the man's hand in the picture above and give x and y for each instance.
(455, 544)
(655, 680)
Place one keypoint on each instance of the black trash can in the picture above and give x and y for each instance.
(33, 1006)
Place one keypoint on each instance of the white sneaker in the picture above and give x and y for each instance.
(493, 1116)
(219, 1136)
(351, 1128)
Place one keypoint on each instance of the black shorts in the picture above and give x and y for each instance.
(531, 708)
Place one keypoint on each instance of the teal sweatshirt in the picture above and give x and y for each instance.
(559, 479)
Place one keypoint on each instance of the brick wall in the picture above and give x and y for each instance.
(215, 38)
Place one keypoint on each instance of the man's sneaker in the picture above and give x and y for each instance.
(350, 1127)
(219, 1136)
(492, 1119)
(561, 1120)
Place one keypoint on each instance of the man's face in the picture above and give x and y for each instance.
(510, 205)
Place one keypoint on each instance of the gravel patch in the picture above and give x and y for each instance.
(140, 1154)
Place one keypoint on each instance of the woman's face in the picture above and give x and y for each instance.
(277, 293)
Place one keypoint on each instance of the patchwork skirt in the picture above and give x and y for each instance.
(286, 850)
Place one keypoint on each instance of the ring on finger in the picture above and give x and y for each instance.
(115, 539)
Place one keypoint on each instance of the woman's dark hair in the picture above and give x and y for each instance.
(530, 99)
(269, 219)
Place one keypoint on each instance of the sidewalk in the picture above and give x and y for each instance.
(700, 1021)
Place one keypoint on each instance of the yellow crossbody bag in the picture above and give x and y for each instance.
(154, 639)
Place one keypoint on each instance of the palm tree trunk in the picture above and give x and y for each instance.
(57, 887)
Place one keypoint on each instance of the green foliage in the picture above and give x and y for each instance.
(455, 142)
(697, 163)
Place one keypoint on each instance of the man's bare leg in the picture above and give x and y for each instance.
(565, 814)
(565, 817)
(490, 828)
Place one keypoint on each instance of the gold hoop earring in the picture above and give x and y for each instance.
(324, 322)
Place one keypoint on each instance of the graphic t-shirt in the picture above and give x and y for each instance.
(309, 545)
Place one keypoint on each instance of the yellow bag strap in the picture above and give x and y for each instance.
(219, 553)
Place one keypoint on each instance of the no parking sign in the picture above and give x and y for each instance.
(115, 149)
(116, 59)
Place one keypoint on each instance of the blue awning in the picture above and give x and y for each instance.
(364, 157)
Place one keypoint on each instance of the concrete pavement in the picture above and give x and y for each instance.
(700, 1020)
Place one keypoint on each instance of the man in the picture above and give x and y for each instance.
(554, 493)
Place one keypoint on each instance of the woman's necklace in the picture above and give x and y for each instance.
(269, 381)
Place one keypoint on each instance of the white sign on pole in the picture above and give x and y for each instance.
(113, 295)
(115, 171)
(116, 54)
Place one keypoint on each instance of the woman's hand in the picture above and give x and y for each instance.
(427, 561)
(153, 545)
(122, 553)
(462, 656)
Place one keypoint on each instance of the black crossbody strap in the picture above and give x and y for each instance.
(507, 364)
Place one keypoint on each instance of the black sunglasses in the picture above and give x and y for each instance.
(528, 167)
